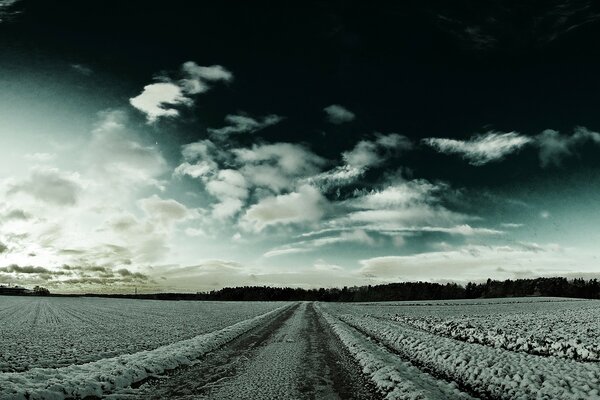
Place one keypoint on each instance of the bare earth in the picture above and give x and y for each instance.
(295, 356)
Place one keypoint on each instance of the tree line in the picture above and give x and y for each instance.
(553, 287)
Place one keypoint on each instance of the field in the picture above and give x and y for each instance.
(523, 348)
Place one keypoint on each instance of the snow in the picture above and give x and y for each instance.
(55, 332)
(107, 375)
(484, 370)
(394, 378)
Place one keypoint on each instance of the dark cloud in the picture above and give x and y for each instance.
(25, 269)
(50, 186)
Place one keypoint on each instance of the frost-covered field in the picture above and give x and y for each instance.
(71, 348)
(55, 332)
(504, 348)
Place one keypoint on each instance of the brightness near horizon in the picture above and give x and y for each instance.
(171, 147)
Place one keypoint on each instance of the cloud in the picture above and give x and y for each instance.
(40, 157)
(554, 147)
(158, 100)
(197, 77)
(238, 123)
(304, 205)
(3, 247)
(371, 153)
(277, 166)
(472, 262)
(161, 99)
(117, 155)
(7, 9)
(82, 69)
(25, 269)
(365, 154)
(357, 236)
(401, 204)
(163, 211)
(337, 114)
(481, 149)
(230, 188)
(51, 186)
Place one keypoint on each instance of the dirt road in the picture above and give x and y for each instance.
(295, 356)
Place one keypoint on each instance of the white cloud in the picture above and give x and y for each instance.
(162, 99)
(337, 114)
(481, 149)
(304, 205)
(158, 100)
(238, 123)
(277, 166)
(230, 188)
(371, 153)
(197, 76)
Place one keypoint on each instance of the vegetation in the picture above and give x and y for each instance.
(555, 287)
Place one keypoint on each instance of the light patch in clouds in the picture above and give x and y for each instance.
(337, 114)
(481, 149)
(304, 205)
(116, 154)
(161, 99)
(239, 123)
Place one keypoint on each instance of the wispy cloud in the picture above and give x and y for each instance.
(337, 114)
(240, 123)
(555, 147)
(7, 9)
(481, 149)
(366, 154)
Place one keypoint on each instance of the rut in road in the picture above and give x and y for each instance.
(296, 356)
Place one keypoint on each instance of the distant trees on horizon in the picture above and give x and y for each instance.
(403, 291)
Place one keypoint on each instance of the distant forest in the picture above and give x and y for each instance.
(554, 287)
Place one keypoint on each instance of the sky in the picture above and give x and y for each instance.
(189, 147)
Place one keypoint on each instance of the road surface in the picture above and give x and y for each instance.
(295, 356)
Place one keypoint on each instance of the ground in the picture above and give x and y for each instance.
(295, 356)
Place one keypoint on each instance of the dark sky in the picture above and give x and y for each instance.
(466, 71)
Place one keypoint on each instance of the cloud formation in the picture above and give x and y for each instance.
(51, 186)
(304, 205)
(337, 114)
(239, 123)
(481, 149)
(366, 154)
(159, 100)
(555, 147)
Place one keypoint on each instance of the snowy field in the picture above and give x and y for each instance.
(544, 348)
(56, 332)
(529, 348)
